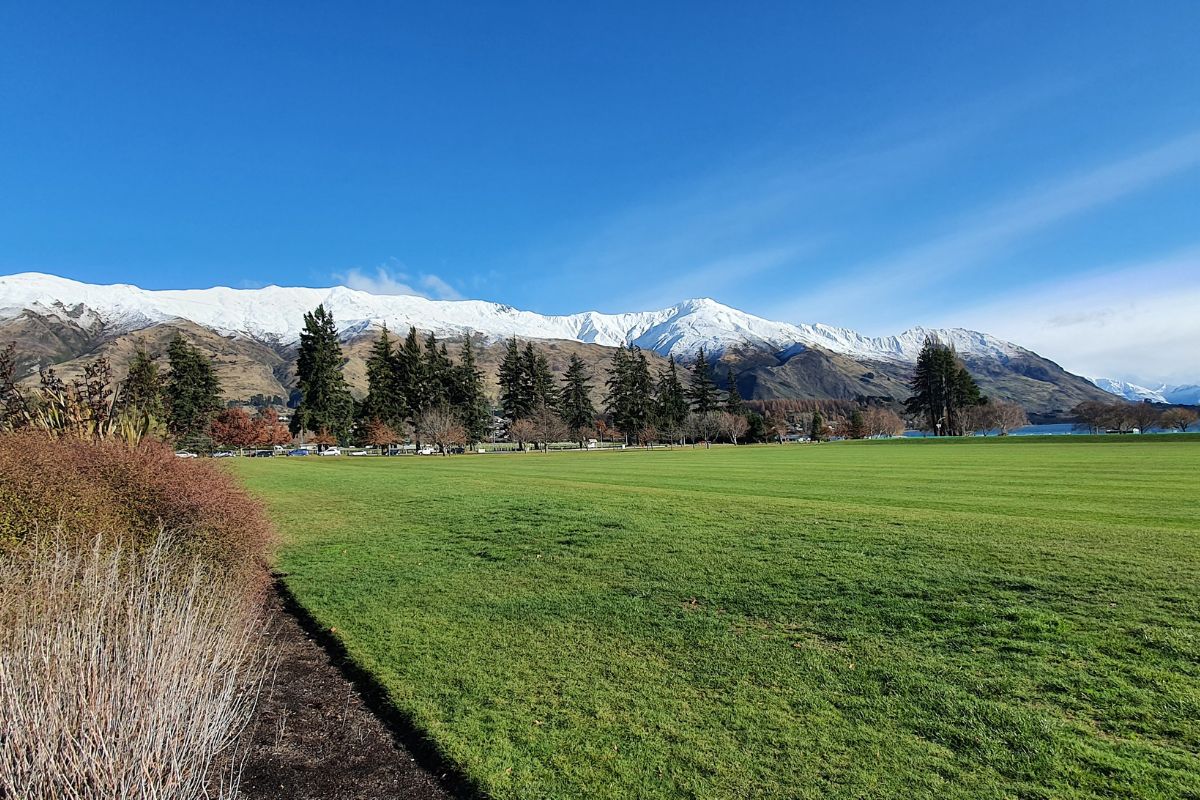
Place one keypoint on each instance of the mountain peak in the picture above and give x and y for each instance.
(276, 313)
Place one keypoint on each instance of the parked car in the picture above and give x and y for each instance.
(263, 454)
(425, 451)
(223, 454)
(185, 454)
(357, 452)
(330, 451)
(299, 451)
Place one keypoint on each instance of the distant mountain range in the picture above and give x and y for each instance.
(252, 333)
(1188, 395)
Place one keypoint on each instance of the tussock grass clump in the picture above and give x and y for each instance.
(123, 673)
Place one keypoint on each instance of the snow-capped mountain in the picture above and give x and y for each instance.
(275, 314)
(1130, 391)
(1188, 395)
(1163, 393)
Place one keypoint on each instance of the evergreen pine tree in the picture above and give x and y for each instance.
(641, 390)
(542, 385)
(537, 380)
(410, 377)
(702, 392)
(616, 400)
(193, 393)
(575, 400)
(630, 392)
(467, 395)
(816, 431)
(515, 400)
(856, 426)
(942, 387)
(733, 398)
(671, 406)
(435, 374)
(385, 401)
(141, 392)
(325, 402)
(756, 428)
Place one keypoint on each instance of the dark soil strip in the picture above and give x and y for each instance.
(326, 730)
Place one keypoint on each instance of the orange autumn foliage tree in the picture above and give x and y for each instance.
(233, 427)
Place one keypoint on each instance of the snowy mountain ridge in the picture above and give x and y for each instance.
(275, 314)
(1163, 393)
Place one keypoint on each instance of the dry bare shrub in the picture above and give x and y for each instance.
(128, 493)
(124, 672)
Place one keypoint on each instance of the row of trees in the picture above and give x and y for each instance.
(410, 388)
(1121, 416)
(187, 398)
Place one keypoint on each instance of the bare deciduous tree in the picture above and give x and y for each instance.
(522, 432)
(549, 427)
(974, 418)
(1144, 416)
(441, 427)
(648, 435)
(1092, 415)
(1006, 417)
(704, 427)
(883, 422)
(733, 425)
(1179, 419)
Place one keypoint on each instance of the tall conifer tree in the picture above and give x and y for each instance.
(385, 401)
(435, 373)
(942, 387)
(515, 398)
(540, 379)
(467, 395)
(410, 377)
(193, 392)
(670, 400)
(630, 398)
(575, 402)
(142, 390)
(616, 398)
(702, 392)
(325, 402)
(733, 398)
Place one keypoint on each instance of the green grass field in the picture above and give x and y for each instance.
(1003, 618)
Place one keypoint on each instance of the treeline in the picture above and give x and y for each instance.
(1124, 417)
(827, 418)
(639, 407)
(417, 391)
(412, 390)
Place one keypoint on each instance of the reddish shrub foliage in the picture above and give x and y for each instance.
(111, 489)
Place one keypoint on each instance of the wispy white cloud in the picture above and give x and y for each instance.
(711, 279)
(438, 288)
(385, 280)
(1135, 322)
(989, 232)
(755, 214)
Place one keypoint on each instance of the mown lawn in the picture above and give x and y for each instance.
(1004, 618)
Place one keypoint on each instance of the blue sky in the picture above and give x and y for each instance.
(1031, 169)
